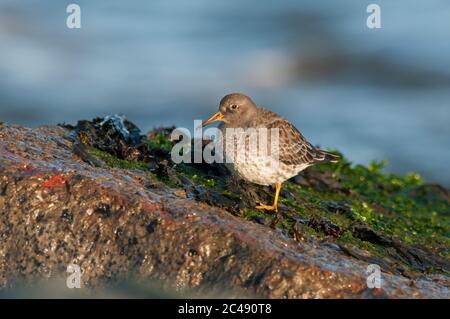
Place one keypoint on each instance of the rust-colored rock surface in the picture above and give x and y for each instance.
(56, 209)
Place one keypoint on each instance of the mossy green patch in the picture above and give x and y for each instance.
(115, 162)
(159, 141)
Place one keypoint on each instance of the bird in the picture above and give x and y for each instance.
(294, 153)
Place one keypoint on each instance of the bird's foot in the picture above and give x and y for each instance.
(268, 207)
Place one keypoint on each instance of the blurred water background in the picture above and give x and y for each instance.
(371, 93)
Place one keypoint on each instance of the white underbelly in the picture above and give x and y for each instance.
(262, 169)
(265, 173)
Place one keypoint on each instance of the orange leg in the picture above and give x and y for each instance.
(273, 207)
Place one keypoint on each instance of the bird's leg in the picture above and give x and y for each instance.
(275, 201)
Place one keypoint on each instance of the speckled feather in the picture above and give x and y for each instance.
(295, 152)
(294, 149)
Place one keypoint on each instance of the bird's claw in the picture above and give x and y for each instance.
(268, 207)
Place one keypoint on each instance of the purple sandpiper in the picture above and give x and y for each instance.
(294, 152)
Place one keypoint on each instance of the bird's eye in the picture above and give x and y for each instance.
(234, 106)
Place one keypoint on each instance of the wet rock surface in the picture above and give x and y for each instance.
(147, 219)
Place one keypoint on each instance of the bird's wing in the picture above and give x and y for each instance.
(293, 148)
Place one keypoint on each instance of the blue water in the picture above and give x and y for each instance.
(373, 94)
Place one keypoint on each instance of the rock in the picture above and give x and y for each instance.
(123, 224)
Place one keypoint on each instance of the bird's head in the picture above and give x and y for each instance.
(235, 110)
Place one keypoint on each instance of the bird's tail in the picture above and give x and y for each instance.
(325, 157)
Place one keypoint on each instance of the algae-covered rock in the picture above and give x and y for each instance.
(111, 201)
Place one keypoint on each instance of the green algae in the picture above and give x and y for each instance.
(159, 141)
(115, 162)
(388, 203)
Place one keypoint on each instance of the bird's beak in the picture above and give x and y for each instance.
(216, 117)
